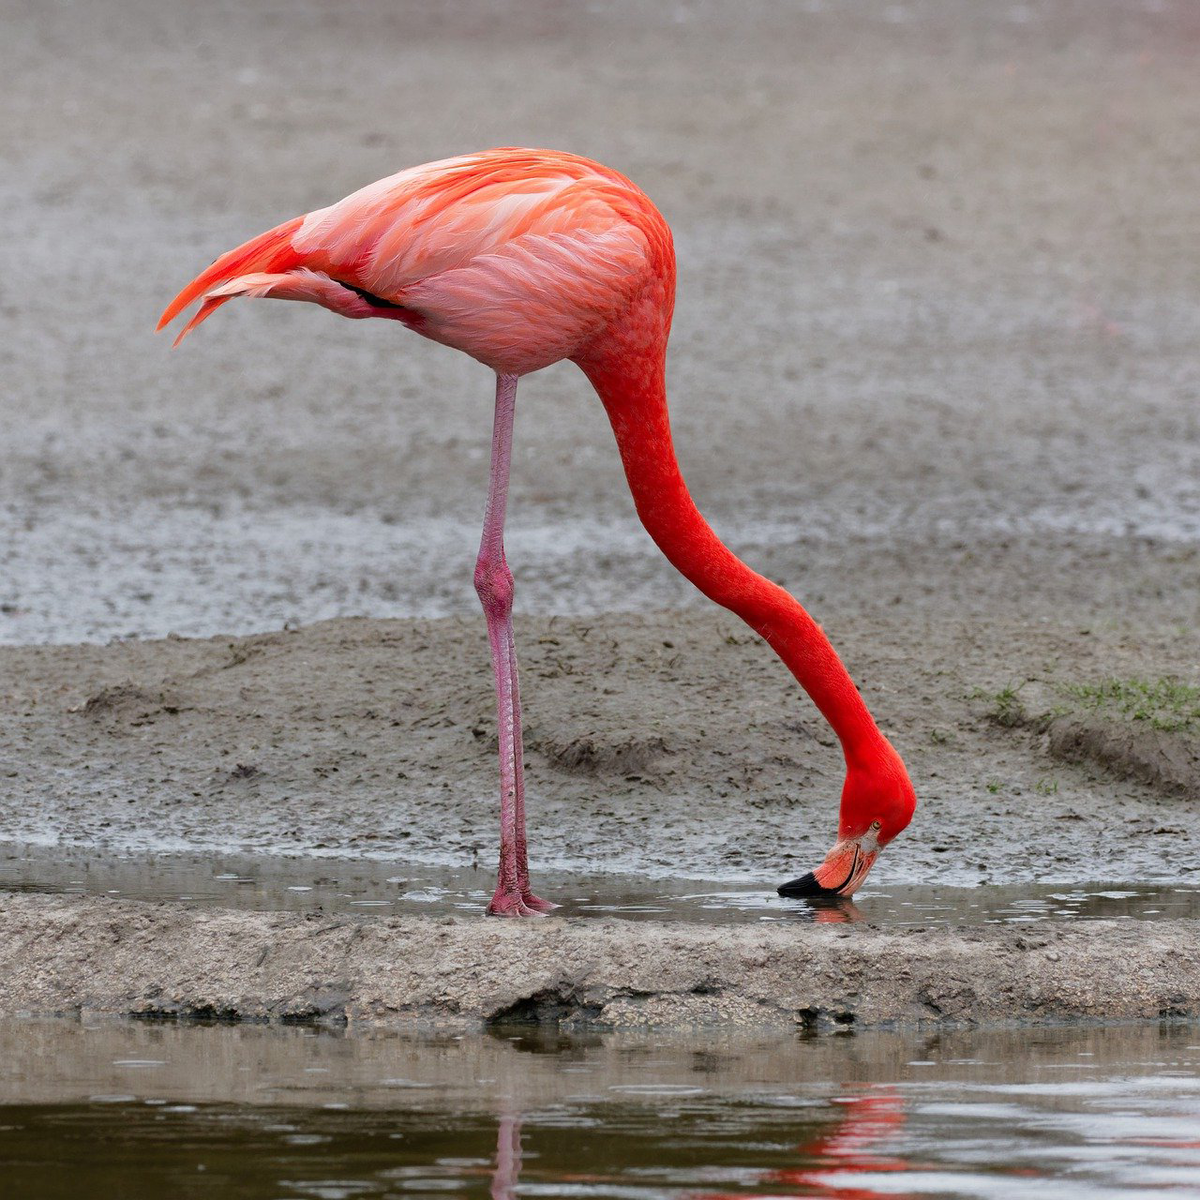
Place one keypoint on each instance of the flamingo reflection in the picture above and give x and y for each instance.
(831, 1161)
(834, 1159)
(837, 1157)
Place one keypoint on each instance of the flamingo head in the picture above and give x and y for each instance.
(877, 803)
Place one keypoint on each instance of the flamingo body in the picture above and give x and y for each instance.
(516, 257)
(521, 258)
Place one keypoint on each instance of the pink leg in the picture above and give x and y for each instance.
(531, 901)
(494, 583)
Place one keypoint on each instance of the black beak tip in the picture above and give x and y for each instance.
(806, 886)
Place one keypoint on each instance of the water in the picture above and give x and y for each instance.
(141, 1110)
(243, 1112)
(367, 887)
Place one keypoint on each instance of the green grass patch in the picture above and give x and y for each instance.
(1007, 709)
(1162, 703)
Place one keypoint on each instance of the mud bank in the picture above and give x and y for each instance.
(164, 961)
(667, 745)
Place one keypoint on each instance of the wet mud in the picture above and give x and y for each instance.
(63, 955)
(668, 745)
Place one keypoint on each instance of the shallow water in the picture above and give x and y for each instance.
(268, 883)
(140, 1111)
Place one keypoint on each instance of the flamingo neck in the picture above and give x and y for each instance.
(632, 387)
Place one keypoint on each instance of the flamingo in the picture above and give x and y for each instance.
(521, 258)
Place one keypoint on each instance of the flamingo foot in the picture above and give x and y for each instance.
(540, 906)
(512, 903)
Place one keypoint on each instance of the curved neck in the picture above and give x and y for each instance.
(633, 390)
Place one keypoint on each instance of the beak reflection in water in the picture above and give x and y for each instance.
(832, 910)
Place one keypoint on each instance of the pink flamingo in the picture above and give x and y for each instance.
(521, 258)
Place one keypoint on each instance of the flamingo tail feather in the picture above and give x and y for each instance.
(270, 252)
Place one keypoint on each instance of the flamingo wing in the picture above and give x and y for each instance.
(514, 256)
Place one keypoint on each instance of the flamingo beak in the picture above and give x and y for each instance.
(842, 872)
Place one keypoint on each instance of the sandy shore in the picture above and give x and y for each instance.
(66, 956)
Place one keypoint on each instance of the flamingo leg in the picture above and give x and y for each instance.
(494, 583)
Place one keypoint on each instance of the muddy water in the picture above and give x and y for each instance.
(268, 883)
(141, 1111)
